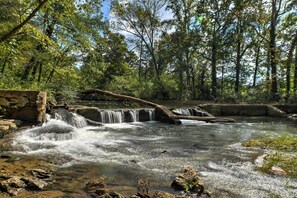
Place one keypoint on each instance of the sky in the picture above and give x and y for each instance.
(165, 14)
(106, 9)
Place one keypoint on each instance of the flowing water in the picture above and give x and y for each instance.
(126, 152)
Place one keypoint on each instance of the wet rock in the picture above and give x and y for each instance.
(188, 181)
(35, 184)
(15, 182)
(97, 189)
(277, 170)
(41, 174)
(114, 194)
(144, 115)
(13, 186)
(7, 125)
(91, 113)
(96, 184)
(142, 188)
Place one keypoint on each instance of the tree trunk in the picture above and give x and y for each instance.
(35, 64)
(202, 82)
(238, 58)
(295, 72)
(17, 28)
(288, 66)
(272, 48)
(256, 66)
(214, 66)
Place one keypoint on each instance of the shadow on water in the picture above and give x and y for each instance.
(126, 152)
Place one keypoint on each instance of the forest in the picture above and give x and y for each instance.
(220, 50)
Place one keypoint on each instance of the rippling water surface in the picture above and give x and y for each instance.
(125, 153)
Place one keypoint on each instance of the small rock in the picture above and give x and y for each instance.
(14, 191)
(41, 174)
(277, 170)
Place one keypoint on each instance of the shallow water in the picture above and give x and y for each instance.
(125, 153)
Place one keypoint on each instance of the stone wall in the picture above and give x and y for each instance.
(243, 110)
(23, 105)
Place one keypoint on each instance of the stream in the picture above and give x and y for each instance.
(126, 152)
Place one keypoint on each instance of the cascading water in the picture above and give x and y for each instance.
(157, 151)
(123, 116)
(70, 118)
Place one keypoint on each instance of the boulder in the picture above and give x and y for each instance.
(91, 113)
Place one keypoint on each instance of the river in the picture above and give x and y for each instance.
(126, 152)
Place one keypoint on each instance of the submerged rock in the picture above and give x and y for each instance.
(98, 188)
(161, 194)
(96, 184)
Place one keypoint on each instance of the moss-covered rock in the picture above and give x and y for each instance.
(188, 181)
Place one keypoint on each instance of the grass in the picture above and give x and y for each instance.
(284, 156)
(286, 143)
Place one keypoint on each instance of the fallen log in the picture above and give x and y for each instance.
(163, 114)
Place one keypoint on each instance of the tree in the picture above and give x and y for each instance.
(18, 27)
(141, 19)
(184, 42)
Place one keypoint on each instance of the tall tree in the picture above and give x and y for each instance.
(141, 19)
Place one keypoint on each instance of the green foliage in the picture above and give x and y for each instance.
(205, 51)
(129, 84)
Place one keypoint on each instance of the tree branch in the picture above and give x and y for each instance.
(17, 28)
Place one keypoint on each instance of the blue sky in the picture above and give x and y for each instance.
(106, 9)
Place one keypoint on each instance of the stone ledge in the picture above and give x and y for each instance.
(23, 105)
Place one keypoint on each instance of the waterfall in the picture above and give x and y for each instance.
(124, 116)
(152, 115)
(108, 116)
(191, 112)
(104, 116)
(134, 115)
(70, 118)
(183, 111)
